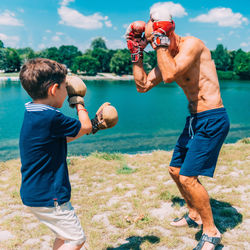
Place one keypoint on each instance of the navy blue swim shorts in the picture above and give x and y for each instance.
(197, 149)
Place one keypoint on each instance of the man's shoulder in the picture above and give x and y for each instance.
(193, 40)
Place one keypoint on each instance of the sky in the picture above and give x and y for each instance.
(41, 24)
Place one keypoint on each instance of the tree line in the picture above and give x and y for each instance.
(98, 58)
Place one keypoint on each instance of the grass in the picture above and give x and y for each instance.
(113, 187)
(15, 74)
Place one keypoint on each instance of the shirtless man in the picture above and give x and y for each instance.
(187, 61)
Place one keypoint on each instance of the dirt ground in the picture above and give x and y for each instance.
(128, 201)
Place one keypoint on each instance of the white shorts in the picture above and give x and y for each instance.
(63, 221)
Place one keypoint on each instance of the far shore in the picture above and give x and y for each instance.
(99, 76)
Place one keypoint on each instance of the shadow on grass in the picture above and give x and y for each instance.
(134, 242)
(225, 216)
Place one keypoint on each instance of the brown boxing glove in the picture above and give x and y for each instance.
(76, 89)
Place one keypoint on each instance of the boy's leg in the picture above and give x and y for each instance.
(60, 244)
(63, 221)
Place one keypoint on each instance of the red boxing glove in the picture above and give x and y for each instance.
(162, 30)
(136, 40)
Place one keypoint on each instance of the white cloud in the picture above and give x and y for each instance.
(20, 10)
(71, 17)
(8, 18)
(41, 46)
(125, 26)
(219, 39)
(11, 41)
(66, 2)
(116, 44)
(56, 39)
(163, 9)
(108, 23)
(48, 31)
(223, 16)
(245, 44)
(59, 33)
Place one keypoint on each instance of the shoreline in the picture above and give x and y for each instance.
(98, 77)
(245, 140)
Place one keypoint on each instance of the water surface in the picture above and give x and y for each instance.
(147, 122)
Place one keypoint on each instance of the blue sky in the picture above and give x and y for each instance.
(46, 23)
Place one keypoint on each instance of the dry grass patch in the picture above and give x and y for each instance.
(107, 189)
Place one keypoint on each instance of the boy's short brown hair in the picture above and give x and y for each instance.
(37, 75)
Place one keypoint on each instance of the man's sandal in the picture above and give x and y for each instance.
(205, 238)
(190, 222)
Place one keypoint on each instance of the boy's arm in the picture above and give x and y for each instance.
(86, 126)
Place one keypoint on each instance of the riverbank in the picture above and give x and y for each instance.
(127, 201)
(99, 76)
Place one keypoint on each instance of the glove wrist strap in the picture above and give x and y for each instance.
(161, 40)
(136, 56)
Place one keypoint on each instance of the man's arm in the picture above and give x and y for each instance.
(143, 81)
(171, 68)
(136, 43)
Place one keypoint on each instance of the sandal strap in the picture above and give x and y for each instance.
(190, 222)
(205, 238)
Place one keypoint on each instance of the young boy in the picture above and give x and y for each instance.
(45, 187)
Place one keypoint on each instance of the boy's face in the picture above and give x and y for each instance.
(60, 95)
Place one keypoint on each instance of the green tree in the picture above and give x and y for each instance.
(104, 57)
(50, 53)
(242, 64)
(121, 62)
(232, 55)
(12, 60)
(26, 54)
(98, 43)
(67, 54)
(149, 60)
(1, 44)
(221, 58)
(2, 58)
(86, 64)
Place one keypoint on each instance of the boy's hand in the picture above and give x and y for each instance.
(76, 90)
(106, 117)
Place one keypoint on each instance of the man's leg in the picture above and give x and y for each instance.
(200, 200)
(193, 214)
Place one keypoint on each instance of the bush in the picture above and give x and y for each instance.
(86, 63)
(227, 75)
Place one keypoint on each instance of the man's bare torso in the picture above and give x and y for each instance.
(200, 82)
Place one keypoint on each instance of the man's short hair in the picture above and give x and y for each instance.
(37, 75)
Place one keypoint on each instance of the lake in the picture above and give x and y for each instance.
(147, 121)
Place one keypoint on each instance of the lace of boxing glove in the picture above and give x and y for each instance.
(136, 40)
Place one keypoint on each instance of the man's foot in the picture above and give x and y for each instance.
(208, 243)
(186, 221)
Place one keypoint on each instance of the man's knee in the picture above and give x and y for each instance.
(188, 181)
(174, 172)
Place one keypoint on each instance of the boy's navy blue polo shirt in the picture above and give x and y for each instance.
(43, 151)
